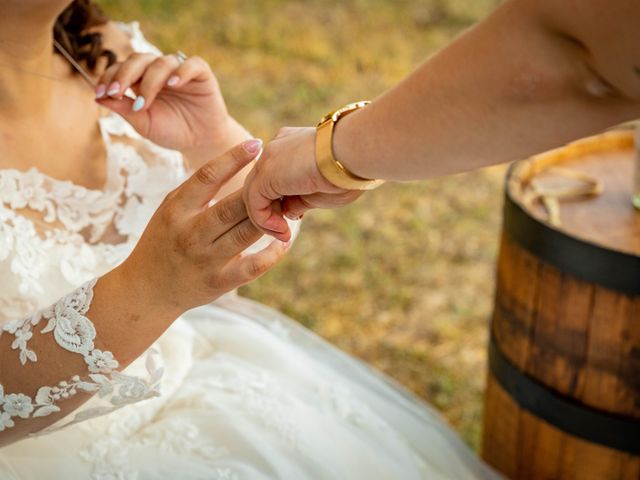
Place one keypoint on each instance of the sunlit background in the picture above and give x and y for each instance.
(404, 278)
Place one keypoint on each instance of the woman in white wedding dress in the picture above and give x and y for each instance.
(231, 389)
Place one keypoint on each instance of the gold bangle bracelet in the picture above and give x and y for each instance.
(330, 168)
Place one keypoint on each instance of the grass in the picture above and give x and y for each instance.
(404, 277)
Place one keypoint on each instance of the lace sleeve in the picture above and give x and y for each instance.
(65, 323)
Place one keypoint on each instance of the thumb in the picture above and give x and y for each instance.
(124, 107)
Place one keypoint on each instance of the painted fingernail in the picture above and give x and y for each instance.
(173, 80)
(252, 146)
(138, 104)
(101, 90)
(114, 89)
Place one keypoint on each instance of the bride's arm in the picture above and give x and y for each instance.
(47, 360)
(54, 360)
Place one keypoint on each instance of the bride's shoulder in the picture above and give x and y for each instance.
(123, 39)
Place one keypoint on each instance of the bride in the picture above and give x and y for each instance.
(124, 352)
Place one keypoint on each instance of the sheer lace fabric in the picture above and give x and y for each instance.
(233, 390)
(56, 236)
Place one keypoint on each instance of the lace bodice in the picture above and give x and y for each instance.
(56, 238)
(55, 235)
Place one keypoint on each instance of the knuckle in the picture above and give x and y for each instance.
(217, 282)
(244, 234)
(237, 154)
(224, 212)
(165, 61)
(170, 216)
(256, 267)
(196, 61)
(170, 197)
(207, 174)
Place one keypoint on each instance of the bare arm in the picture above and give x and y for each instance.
(533, 75)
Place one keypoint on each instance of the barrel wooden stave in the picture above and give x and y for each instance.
(576, 338)
(565, 357)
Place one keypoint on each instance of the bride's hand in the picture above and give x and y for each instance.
(191, 253)
(178, 106)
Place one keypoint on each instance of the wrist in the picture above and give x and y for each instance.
(128, 317)
(349, 148)
(130, 281)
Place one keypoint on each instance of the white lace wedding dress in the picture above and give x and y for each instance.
(233, 390)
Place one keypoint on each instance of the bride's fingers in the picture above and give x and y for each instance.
(155, 79)
(236, 240)
(124, 106)
(105, 80)
(221, 217)
(246, 268)
(117, 80)
(192, 69)
(198, 190)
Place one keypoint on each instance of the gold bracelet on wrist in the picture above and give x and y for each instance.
(330, 168)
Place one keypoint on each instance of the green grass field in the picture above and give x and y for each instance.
(404, 278)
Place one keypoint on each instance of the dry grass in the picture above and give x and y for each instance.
(403, 278)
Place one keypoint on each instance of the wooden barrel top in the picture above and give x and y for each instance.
(609, 219)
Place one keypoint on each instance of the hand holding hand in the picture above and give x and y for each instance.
(286, 181)
(191, 253)
(178, 106)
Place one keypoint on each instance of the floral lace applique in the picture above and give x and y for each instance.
(74, 332)
(177, 436)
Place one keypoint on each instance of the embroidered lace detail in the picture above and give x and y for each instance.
(260, 396)
(71, 329)
(178, 437)
(74, 332)
(73, 205)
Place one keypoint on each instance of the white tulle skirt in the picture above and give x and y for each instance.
(250, 394)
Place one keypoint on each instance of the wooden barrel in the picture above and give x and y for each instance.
(563, 390)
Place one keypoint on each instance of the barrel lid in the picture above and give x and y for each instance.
(599, 237)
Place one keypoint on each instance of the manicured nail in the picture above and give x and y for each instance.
(252, 146)
(292, 216)
(138, 104)
(173, 80)
(101, 90)
(114, 89)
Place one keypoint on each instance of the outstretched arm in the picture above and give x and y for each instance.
(189, 254)
(533, 75)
